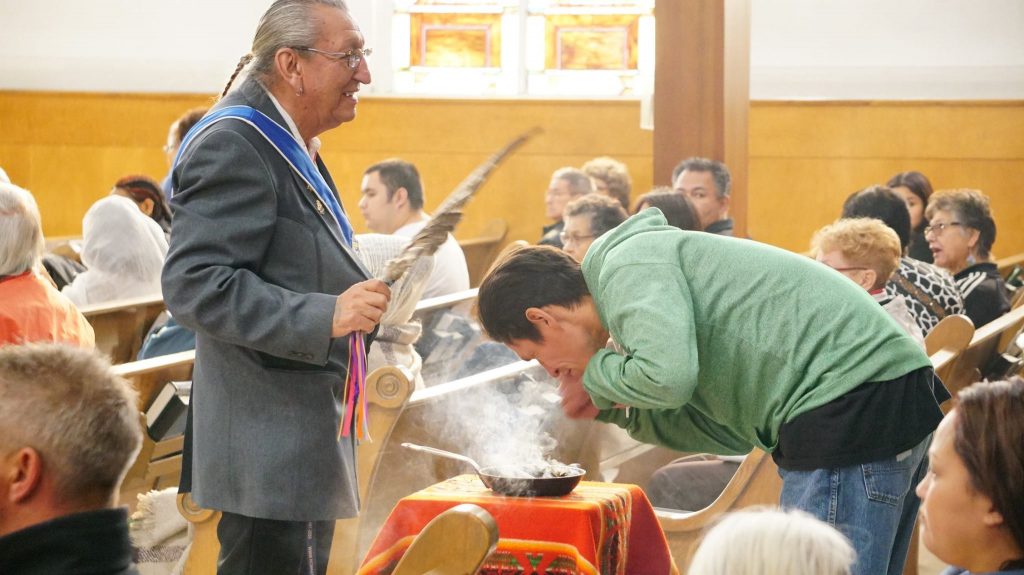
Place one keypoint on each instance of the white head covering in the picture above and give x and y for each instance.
(398, 332)
(123, 250)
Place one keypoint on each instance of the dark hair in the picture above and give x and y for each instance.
(185, 122)
(720, 173)
(989, 438)
(396, 173)
(917, 183)
(141, 188)
(533, 276)
(678, 209)
(972, 210)
(881, 203)
(614, 174)
(604, 212)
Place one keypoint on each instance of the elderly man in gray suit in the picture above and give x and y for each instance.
(260, 251)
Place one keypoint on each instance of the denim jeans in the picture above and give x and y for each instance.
(873, 504)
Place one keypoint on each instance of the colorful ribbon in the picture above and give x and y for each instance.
(356, 421)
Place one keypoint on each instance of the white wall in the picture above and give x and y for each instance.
(833, 49)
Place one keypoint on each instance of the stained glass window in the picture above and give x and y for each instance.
(511, 47)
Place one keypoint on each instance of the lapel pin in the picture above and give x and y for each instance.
(319, 207)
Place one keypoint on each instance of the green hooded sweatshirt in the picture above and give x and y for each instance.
(726, 339)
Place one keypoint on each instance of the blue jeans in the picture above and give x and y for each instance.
(873, 504)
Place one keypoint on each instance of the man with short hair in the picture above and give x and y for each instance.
(261, 250)
(392, 203)
(69, 431)
(769, 350)
(708, 185)
(566, 185)
(587, 219)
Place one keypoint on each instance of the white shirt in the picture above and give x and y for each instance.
(450, 273)
(897, 308)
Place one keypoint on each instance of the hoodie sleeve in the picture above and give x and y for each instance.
(648, 310)
(682, 429)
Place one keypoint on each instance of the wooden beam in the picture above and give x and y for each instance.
(702, 90)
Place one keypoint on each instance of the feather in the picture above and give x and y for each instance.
(448, 214)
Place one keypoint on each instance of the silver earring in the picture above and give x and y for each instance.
(300, 92)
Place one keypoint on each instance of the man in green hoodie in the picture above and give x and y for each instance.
(725, 345)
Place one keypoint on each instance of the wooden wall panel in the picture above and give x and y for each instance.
(806, 157)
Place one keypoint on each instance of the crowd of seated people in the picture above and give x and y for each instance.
(885, 242)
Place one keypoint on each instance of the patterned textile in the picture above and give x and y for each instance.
(599, 528)
(930, 292)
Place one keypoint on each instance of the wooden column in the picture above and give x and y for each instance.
(702, 89)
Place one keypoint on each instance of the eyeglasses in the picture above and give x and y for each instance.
(574, 238)
(938, 228)
(352, 57)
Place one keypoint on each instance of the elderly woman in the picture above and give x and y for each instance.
(972, 514)
(960, 235)
(41, 313)
(771, 541)
(915, 189)
(123, 251)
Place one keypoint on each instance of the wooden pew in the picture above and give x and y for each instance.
(989, 340)
(388, 389)
(946, 341)
(121, 325)
(158, 464)
(756, 482)
(456, 542)
(481, 250)
(1006, 265)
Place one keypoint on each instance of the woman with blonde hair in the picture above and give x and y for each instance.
(770, 541)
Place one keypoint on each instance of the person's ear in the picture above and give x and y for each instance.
(972, 239)
(289, 68)
(993, 518)
(726, 201)
(400, 197)
(540, 318)
(146, 206)
(23, 472)
(868, 278)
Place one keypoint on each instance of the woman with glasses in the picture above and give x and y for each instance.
(960, 234)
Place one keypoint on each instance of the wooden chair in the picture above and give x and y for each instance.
(121, 325)
(456, 542)
(945, 342)
(158, 464)
(388, 389)
(481, 250)
(989, 340)
(756, 482)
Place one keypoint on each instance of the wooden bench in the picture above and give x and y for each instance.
(456, 542)
(388, 389)
(1006, 265)
(988, 341)
(121, 325)
(481, 250)
(158, 464)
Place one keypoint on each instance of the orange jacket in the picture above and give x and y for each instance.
(32, 310)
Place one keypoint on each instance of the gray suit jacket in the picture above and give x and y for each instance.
(254, 268)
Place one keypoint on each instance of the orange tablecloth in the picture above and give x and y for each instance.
(599, 528)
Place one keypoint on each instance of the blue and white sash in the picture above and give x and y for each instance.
(282, 141)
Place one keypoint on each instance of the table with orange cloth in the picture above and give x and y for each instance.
(599, 528)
